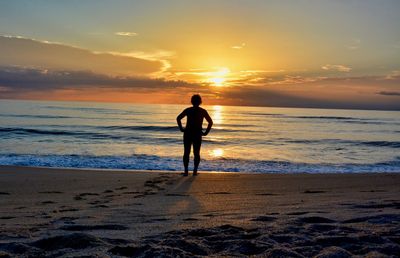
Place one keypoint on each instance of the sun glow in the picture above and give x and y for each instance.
(217, 152)
(217, 81)
(218, 78)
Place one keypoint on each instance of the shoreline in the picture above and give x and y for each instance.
(117, 170)
(2, 167)
(71, 212)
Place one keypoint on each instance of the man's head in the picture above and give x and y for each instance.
(196, 100)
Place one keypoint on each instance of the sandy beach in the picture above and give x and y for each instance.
(69, 212)
(289, 111)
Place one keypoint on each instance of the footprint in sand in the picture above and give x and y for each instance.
(7, 217)
(190, 219)
(93, 227)
(373, 191)
(139, 196)
(313, 191)
(65, 209)
(176, 194)
(156, 220)
(75, 241)
(50, 192)
(121, 188)
(264, 218)
(266, 194)
(209, 215)
(219, 193)
(101, 206)
(374, 205)
(157, 182)
(47, 202)
(134, 192)
(297, 213)
(377, 219)
(4, 193)
(315, 219)
(88, 194)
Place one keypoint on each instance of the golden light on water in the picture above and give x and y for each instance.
(216, 114)
(218, 152)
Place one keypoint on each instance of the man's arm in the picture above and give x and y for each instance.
(179, 118)
(210, 123)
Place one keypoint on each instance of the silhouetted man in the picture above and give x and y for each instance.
(192, 134)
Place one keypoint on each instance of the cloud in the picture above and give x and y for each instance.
(393, 75)
(126, 34)
(270, 97)
(256, 96)
(389, 93)
(25, 52)
(272, 78)
(159, 55)
(44, 84)
(239, 46)
(154, 55)
(201, 74)
(17, 79)
(294, 79)
(349, 92)
(231, 78)
(217, 71)
(250, 72)
(339, 68)
(301, 90)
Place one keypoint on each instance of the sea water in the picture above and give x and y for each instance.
(243, 139)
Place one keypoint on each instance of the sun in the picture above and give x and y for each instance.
(218, 81)
(218, 78)
(217, 152)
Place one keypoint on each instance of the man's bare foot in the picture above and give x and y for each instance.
(194, 173)
(185, 174)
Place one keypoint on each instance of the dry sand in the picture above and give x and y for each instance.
(96, 213)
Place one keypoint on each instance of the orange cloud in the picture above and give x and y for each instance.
(41, 54)
(126, 34)
(335, 67)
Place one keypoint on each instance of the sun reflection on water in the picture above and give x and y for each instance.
(216, 114)
(217, 152)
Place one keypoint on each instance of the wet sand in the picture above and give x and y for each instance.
(69, 212)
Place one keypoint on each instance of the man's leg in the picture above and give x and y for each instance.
(196, 152)
(187, 146)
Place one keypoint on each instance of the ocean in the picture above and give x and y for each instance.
(243, 139)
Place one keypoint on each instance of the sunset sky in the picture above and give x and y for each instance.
(306, 53)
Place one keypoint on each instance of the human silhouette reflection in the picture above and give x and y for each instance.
(193, 132)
